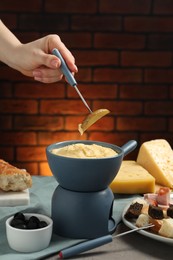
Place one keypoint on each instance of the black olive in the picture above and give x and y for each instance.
(19, 221)
(19, 215)
(21, 226)
(16, 222)
(42, 224)
(33, 223)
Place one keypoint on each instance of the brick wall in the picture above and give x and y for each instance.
(123, 50)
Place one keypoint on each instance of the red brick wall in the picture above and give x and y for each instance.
(124, 53)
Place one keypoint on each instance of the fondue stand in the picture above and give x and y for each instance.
(82, 203)
(82, 214)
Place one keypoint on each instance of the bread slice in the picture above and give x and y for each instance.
(166, 229)
(12, 178)
(142, 220)
(156, 156)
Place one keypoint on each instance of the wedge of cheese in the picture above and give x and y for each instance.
(156, 156)
(132, 178)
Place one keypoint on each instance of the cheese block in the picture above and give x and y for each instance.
(156, 156)
(132, 178)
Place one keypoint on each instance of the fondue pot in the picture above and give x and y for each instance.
(82, 203)
(87, 174)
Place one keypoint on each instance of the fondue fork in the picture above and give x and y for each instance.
(69, 76)
(93, 116)
(93, 243)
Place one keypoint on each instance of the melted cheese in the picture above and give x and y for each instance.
(132, 178)
(156, 157)
(80, 150)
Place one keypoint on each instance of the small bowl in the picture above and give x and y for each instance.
(86, 174)
(29, 240)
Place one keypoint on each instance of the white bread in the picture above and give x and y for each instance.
(166, 229)
(12, 178)
(142, 220)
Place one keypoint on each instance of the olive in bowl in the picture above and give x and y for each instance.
(29, 232)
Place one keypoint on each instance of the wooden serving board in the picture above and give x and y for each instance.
(14, 198)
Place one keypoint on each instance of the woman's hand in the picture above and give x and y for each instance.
(34, 59)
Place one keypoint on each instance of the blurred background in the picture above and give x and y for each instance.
(123, 50)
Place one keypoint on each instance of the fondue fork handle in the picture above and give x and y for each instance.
(93, 243)
(65, 70)
(84, 246)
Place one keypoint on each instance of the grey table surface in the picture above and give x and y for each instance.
(133, 246)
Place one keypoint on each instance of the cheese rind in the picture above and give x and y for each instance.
(156, 156)
(132, 178)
